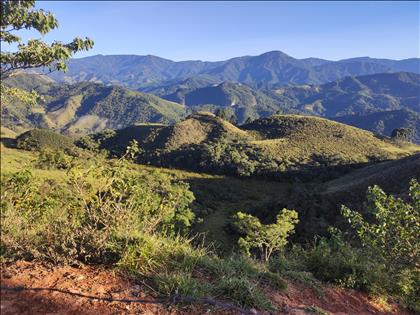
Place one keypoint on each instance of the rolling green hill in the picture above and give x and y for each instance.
(84, 107)
(280, 146)
(379, 102)
(245, 102)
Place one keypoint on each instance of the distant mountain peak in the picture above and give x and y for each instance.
(274, 53)
(262, 71)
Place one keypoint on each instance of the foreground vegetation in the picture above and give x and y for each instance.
(137, 219)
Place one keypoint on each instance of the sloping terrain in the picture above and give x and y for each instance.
(272, 146)
(359, 96)
(356, 95)
(321, 204)
(84, 107)
(217, 198)
(385, 122)
(392, 176)
(370, 102)
(102, 283)
(241, 100)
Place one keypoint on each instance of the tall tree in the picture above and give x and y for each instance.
(17, 15)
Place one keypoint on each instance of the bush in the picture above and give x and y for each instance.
(392, 238)
(334, 260)
(386, 263)
(110, 213)
(393, 235)
(91, 217)
(53, 160)
(292, 266)
(269, 238)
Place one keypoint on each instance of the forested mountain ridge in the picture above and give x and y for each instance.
(84, 107)
(91, 107)
(377, 95)
(265, 70)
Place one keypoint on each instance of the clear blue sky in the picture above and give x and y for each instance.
(221, 30)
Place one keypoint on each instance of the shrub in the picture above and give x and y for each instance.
(110, 213)
(91, 217)
(268, 239)
(392, 238)
(292, 266)
(53, 160)
(394, 233)
(334, 260)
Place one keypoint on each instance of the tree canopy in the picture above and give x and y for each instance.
(35, 53)
(268, 238)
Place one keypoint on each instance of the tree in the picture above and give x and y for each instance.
(248, 120)
(269, 238)
(393, 235)
(221, 113)
(233, 119)
(17, 15)
(404, 134)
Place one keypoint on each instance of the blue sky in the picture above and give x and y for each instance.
(221, 30)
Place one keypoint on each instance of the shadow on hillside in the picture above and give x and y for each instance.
(29, 302)
(8, 142)
(218, 198)
(319, 173)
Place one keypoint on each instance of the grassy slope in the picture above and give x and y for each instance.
(392, 176)
(292, 136)
(217, 197)
(272, 145)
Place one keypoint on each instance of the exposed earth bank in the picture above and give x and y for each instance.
(105, 283)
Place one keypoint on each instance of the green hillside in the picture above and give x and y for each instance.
(379, 103)
(84, 107)
(385, 122)
(355, 95)
(280, 146)
(241, 100)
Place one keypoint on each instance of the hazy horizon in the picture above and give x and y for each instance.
(258, 54)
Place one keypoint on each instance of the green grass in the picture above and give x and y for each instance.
(13, 160)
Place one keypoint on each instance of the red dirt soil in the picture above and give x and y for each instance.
(100, 282)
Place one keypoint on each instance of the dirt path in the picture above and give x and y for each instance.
(99, 282)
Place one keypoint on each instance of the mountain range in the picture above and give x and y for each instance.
(387, 100)
(378, 102)
(265, 70)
